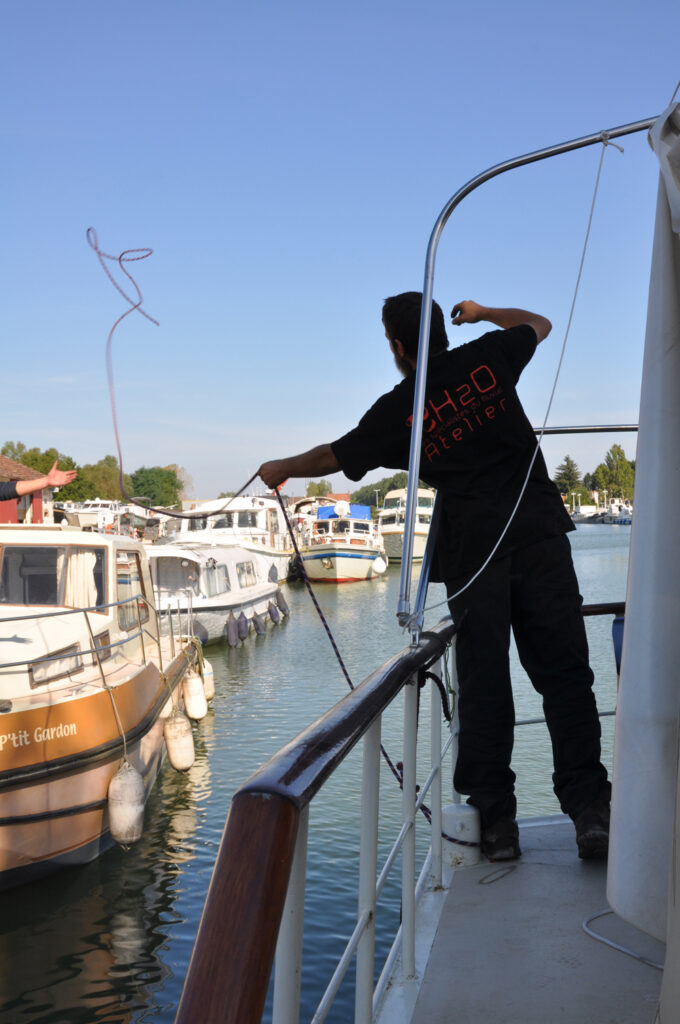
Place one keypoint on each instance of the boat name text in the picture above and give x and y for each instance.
(22, 737)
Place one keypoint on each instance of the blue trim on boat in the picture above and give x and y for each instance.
(339, 554)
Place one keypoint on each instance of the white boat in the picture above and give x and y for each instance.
(391, 520)
(343, 545)
(547, 938)
(254, 523)
(85, 685)
(220, 593)
(619, 513)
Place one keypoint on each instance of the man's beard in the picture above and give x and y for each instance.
(401, 364)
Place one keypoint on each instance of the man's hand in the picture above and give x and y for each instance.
(274, 473)
(316, 462)
(467, 312)
(60, 477)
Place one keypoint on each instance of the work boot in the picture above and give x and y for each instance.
(500, 841)
(592, 831)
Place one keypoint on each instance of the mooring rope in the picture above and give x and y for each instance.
(305, 579)
(132, 256)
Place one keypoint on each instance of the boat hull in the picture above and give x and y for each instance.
(208, 621)
(57, 760)
(394, 543)
(331, 564)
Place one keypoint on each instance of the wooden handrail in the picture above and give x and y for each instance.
(299, 770)
(607, 608)
(234, 949)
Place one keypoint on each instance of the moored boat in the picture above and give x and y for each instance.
(391, 522)
(85, 685)
(249, 521)
(219, 592)
(343, 545)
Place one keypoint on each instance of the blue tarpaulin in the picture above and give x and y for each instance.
(355, 512)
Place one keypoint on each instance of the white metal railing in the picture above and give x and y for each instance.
(288, 964)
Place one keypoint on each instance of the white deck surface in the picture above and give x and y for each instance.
(510, 947)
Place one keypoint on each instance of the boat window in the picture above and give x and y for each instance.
(341, 526)
(388, 520)
(129, 584)
(72, 577)
(426, 502)
(321, 527)
(423, 519)
(220, 522)
(199, 523)
(216, 579)
(246, 574)
(362, 527)
(392, 503)
(247, 520)
(172, 575)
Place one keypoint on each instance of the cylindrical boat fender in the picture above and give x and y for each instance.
(282, 603)
(208, 680)
(258, 624)
(179, 741)
(274, 613)
(126, 805)
(243, 626)
(195, 702)
(232, 630)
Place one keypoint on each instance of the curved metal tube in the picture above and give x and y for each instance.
(404, 607)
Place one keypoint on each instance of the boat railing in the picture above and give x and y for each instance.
(254, 908)
(100, 649)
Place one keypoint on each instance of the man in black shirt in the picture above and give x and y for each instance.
(501, 550)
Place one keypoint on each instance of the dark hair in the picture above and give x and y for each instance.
(401, 318)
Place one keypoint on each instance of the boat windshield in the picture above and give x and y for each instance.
(71, 577)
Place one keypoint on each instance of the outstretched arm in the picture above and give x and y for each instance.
(315, 462)
(469, 312)
(55, 478)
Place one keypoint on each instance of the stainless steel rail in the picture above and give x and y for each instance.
(404, 605)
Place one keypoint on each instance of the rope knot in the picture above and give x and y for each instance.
(606, 141)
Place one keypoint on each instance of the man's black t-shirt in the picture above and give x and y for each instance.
(477, 448)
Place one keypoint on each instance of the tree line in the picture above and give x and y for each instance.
(156, 485)
(616, 476)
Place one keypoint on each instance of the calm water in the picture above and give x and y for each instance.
(111, 942)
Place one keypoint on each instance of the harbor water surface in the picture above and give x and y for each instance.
(111, 942)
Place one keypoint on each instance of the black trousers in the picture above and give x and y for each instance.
(534, 592)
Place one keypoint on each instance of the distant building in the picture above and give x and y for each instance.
(30, 508)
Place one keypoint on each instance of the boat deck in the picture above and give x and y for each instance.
(510, 945)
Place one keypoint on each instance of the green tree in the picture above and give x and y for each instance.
(319, 488)
(159, 486)
(616, 474)
(367, 495)
(13, 450)
(567, 477)
(101, 480)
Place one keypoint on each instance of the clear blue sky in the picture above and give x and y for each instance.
(286, 163)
